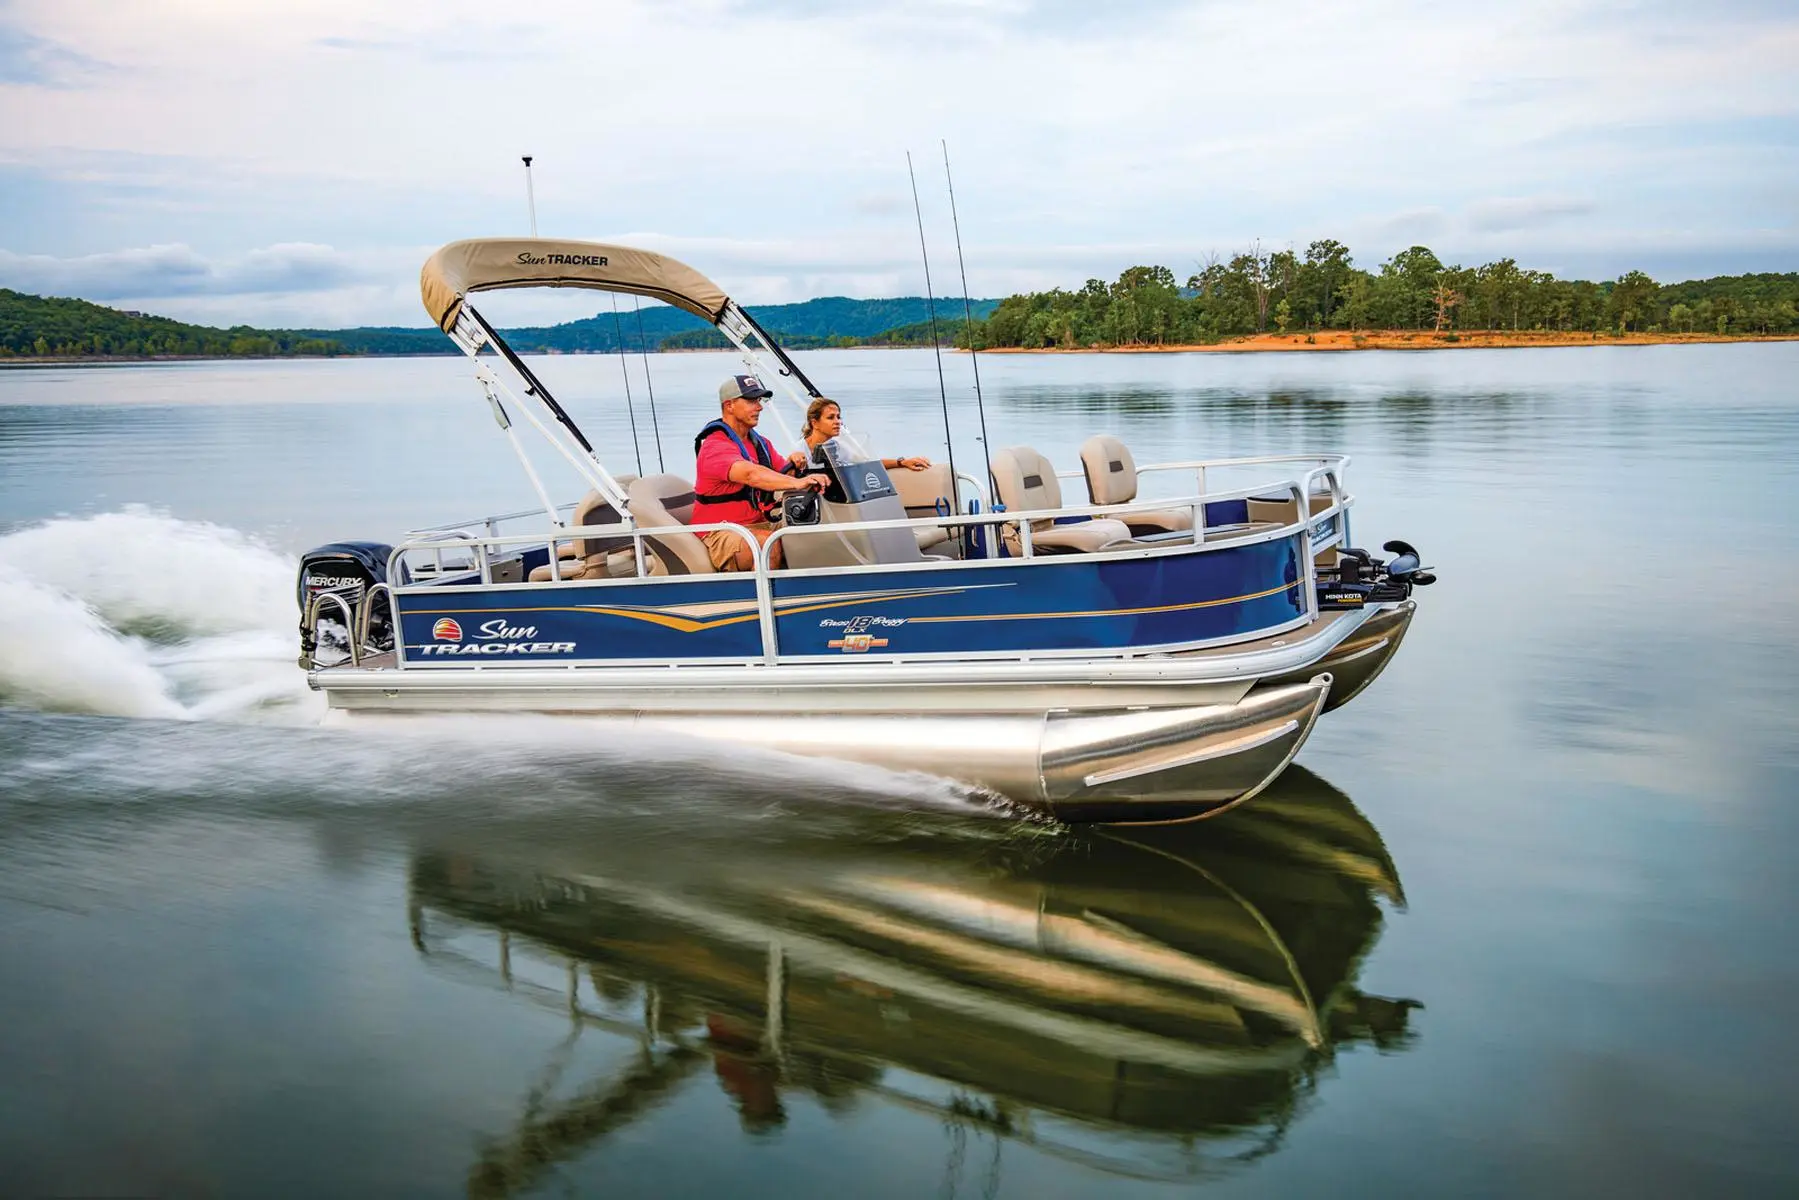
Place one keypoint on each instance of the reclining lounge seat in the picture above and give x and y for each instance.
(595, 557)
(1027, 483)
(920, 492)
(659, 501)
(1112, 479)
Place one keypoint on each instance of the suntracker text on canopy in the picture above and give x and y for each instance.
(485, 264)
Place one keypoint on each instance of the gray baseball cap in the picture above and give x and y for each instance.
(742, 387)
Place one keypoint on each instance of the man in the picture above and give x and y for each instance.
(735, 473)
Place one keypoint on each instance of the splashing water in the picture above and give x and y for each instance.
(139, 614)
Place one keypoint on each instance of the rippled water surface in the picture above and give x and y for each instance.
(1520, 923)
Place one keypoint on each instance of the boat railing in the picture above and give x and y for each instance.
(309, 624)
(482, 546)
(1313, 526)
(975, 488)
(1335, 464)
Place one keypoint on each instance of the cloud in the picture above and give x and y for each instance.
(350, 43)
(1079, 148)
(39, 62)
(1524, 212)
(1415, 225)
(165, 271)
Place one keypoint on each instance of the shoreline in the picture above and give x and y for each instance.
(1339, 341)
(1343, 341)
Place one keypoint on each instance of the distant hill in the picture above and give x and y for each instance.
(827, 320)
(36, 327)
(33, 326)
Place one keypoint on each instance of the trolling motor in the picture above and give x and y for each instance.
(1360, 579)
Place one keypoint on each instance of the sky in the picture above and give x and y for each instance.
(293, 162)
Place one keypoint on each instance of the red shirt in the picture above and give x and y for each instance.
(712, 477)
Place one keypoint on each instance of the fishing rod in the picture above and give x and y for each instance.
(968, 320)
(530, 194)
(619, 333)
(643, 349)
(949, 443)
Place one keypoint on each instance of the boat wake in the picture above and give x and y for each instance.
(190, 627)
(138, 614)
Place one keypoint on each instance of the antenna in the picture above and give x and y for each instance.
(530, 194)
(619, 333)
(643, 349)
(968, 320)
(931, 307)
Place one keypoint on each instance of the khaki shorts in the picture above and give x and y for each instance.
(722, 545)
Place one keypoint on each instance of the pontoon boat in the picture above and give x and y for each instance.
(1116, 659)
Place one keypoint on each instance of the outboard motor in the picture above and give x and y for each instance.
(1360, 579)
(346, 570)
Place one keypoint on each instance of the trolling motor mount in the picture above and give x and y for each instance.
(1359, 579)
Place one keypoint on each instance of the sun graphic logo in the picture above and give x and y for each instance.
(446, 630)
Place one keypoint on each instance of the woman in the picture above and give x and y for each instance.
(824, 421)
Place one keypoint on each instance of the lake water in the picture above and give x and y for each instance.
(1522, 923)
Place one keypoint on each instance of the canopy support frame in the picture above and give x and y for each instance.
(470, 333)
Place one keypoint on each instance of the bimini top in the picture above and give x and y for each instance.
(483, 264)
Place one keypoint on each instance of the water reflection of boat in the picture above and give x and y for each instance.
(1151, 1004)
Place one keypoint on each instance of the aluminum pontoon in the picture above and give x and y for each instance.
(1124, 659)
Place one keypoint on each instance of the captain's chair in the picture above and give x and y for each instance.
(661, 501)
(593, 557)
(1027, 483)
(1112, 479)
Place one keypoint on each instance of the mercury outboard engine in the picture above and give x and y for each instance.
(346, 570)
(1360, 579)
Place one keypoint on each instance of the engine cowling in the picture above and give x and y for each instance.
(346, 570)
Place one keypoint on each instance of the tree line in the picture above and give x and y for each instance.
(1286, 291)
(39, 327)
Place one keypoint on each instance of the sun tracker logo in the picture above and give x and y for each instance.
(446, 630)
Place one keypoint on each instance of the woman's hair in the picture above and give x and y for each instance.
(815, 410)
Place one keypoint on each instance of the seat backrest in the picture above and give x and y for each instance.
(919, 491)
(659, 501)
(1111, 471)
(595, 509)
(1025, 480)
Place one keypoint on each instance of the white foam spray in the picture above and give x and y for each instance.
(136, 613)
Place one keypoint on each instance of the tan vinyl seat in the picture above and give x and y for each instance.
(1026, 483)
(596, 557)
(659, 501)
(920, 492)
(1112, 479)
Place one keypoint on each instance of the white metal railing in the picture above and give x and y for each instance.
(483, 547)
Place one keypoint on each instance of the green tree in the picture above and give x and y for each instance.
(1326, 268)
(1632, 302)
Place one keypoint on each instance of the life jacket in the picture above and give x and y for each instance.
(763, 455)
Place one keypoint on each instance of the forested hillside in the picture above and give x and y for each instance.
(1283, 291)
(827, 321)
(32, 326)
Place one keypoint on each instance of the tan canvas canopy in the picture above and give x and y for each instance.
(483, 264)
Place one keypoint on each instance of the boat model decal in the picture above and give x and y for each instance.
(856, 643)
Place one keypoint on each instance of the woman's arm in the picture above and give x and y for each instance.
(916, 462)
